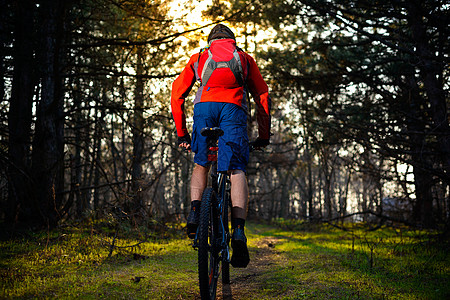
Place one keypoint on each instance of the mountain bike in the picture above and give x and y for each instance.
(213, 234)
(212, 239)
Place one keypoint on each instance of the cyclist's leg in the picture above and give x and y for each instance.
(233, 157)
(239, 193)
(199, 180)
(203, 117)
(239, 197)
(233, 145)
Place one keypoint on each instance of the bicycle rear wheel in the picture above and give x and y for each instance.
(208, 256)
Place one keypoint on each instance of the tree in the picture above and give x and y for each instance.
(20, 204)
(48, 142)
(369, 58)
(82, 53)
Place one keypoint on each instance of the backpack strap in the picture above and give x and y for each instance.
(208, 68)
(237, 70)
(198, 58)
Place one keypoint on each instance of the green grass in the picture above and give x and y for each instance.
(300, 263)
(75, 264)
(333, 264)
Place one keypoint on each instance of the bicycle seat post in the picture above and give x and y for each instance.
(212, 137)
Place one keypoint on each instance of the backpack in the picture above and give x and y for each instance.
(234, 64)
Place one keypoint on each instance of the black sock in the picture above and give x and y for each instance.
(195, 205)
(237, 222)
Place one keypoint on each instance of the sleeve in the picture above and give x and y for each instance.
(180, 90)
(260, 92)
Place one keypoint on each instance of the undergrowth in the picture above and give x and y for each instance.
(105, 259)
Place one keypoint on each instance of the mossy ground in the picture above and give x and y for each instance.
(301, 262)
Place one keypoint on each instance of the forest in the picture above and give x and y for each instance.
(359, 109)
(351, 199)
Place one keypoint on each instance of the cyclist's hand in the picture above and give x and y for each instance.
(260, 143)
(185, 142)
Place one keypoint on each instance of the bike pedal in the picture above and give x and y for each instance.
(195, 242)
(195, 245)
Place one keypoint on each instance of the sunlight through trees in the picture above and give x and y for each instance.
(359, 89)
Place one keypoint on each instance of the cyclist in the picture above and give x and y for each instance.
(225, 73)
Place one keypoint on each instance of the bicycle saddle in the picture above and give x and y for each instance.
(213, 132)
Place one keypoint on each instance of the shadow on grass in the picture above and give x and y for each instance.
(316, 259)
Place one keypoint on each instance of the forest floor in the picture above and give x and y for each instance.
(288, 261)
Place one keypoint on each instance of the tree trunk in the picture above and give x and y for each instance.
(284, 193)
(76, 164)
(344, 195)
(422, 211)
(48, 144)
(89, 144)
(310, 181)
(20, 205)
(96, 166)
(2, 78)
(327, 170)
(138, 135)
(430, 71)
(100, 127)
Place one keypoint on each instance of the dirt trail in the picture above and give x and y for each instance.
(244, 281)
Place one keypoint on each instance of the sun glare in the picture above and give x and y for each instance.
(188, 15)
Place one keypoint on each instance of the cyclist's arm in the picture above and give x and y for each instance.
(260, 93)
(180, 90)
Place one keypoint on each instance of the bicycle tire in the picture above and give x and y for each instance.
(225, 262)
(208, 258)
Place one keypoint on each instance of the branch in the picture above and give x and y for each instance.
(383, 217)
(333, 11)
(126, 42)
(113, 73)
(108, 184)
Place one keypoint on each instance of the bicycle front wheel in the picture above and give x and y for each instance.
(225, 261)
(208, 256)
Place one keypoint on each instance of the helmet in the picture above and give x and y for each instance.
(220, 31)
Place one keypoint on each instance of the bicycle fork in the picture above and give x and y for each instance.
(222, 183)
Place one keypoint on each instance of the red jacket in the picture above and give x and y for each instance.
(221, 87)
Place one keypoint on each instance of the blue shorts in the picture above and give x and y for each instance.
(233, 145)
